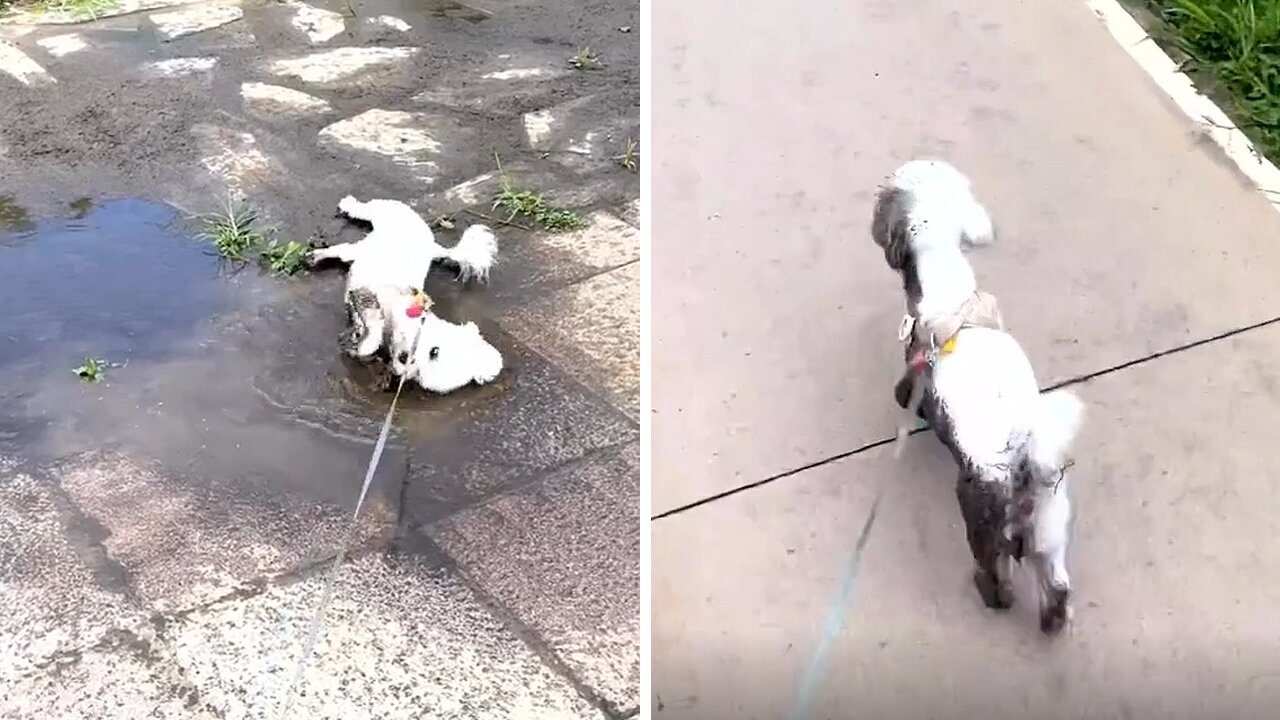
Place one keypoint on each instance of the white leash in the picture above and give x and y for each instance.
(313, 633)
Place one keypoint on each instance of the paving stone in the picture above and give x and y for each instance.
(232, 156)
(499, 81)
(582, 131)
(181, 67)
(564, 557)
(604, 243)
(401, 639)
(53, 579)
(341, 63)
(532, 419)
(122, 681)
(592, 330)
(65, 44)
(185, 541)
(417, 141)
(631, 213)
(557, 186)
(191, 20)
(20, 65)
(389, 21)
(319, 25)
(272, 101)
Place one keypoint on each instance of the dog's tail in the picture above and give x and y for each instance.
(1055, 421)
(475, 254)
(976, 227)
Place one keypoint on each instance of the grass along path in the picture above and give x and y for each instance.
(1232, 50)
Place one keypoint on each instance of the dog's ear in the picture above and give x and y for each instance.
(889, 226)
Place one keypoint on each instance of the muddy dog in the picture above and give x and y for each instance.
(972, 382)
(387, 309)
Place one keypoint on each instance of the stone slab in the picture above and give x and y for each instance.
(187, 540)
(1174, 567)
(401, 640)
(59, 590)
(272, 101)
(564, 557)
(532, 420)
(196, 18)
(500, 82)
(423, 143)
(591, 329)
(1117, 223)
(65, 44)
(21, 67)
(120, 681)
(339, 64)
(317, 24)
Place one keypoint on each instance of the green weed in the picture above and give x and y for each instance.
(93, 370)
(531, 204)
(284, 258)
(87, 8)
(1235, 44)
(629, 158)
(231, 232)
(584, 59)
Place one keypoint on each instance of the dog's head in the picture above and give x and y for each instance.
(452, 356)
(890, 225)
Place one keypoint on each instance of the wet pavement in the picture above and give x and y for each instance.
(164, 529)
(1134, 262)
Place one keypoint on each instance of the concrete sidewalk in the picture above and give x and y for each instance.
(1124, 235)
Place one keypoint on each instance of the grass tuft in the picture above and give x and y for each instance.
(531, 204)
(93, 370)
(1236, 44)
(629, 158)
(80, 8)
(286, 258)
(231, 231)
(584, 59)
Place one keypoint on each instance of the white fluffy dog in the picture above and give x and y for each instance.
(974, 385)
(386, 273)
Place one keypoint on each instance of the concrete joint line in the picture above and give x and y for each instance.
(889, 440)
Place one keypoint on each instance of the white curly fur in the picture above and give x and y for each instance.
(390, 262)
(985, 391)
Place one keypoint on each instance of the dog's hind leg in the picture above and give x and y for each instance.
(1049, 538)
(985, 506)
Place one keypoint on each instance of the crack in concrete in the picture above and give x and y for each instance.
(889, 440)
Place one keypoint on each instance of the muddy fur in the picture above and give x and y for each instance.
(981, 398)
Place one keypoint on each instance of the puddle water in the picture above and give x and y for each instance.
(229, 377)
(115, 282)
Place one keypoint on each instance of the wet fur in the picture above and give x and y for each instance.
(385, 268)
(983, 402)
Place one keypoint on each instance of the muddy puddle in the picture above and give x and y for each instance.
(214, 373)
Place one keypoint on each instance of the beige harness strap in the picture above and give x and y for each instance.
(980, 310)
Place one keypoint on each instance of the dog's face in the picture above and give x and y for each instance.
(453, 356)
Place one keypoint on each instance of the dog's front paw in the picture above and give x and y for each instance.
(314, 257)
(487, 377)
(996, 594)
(347, 204)
(1055, 611)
